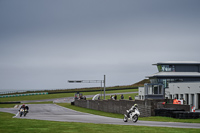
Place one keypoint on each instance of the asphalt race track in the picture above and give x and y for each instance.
(54, 112)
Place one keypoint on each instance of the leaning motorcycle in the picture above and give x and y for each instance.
(25, 112)
(132, 115)
(21, 112)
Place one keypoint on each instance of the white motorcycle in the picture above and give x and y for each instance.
(132, 114)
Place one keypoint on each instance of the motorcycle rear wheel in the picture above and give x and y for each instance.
(21, 114)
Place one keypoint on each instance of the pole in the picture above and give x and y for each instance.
(101, 89)
(104, 86)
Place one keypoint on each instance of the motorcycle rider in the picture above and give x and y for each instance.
(26, 108)
(132, 109)
(23, 106)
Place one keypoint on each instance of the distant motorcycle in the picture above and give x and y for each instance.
(21, 112)
(25, 111)
(132, 114)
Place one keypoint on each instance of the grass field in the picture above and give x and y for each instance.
(16, 125)
(59, 95)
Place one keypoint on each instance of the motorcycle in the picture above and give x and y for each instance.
(131, 115)
(21, 112)
(25, 112)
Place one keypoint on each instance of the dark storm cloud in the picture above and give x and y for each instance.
(45, 43)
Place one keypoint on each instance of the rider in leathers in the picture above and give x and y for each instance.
(24, 107)
(132, 109)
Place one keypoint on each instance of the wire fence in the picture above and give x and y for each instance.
(26, 91)
(10, 92)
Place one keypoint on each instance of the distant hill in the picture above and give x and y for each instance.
(137, 84)
(141, 83)
(132, 86)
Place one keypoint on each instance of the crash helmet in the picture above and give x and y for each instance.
(135, 105)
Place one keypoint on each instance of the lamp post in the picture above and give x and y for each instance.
(179, 95)
(173, 92)
(104, 81)
(92, 81)
(189, 99)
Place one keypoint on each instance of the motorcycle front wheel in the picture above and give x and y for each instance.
(25, 114)
(125, 119)
(21, 114)
(135, 118)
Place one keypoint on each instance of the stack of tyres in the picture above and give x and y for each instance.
(186, 115)
(169, 112)
(195, 115)
(178, 114)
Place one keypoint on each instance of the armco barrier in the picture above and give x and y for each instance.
(28, 94)
(10, 102)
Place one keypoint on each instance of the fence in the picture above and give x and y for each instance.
(28, 94)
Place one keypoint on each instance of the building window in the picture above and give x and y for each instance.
(153, 89)
(164, 82)
(166, 68)
(154, 80)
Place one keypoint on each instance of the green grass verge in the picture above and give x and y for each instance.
(153, 118)
(7, 105)
(12, 105)
(36, 97)
(59, 95)
(16, 125)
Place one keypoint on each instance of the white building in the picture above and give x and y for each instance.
(189, 91)
(180, 79)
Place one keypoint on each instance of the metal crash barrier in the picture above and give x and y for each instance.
(28, 94)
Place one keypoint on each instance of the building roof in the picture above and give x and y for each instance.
(177, 62)
(175, 74)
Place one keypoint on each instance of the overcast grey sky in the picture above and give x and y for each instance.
(44, 43)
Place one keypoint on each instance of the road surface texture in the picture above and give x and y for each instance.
(54, 112)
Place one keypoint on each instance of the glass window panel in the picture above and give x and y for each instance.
(166, 68)
(160, 89)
